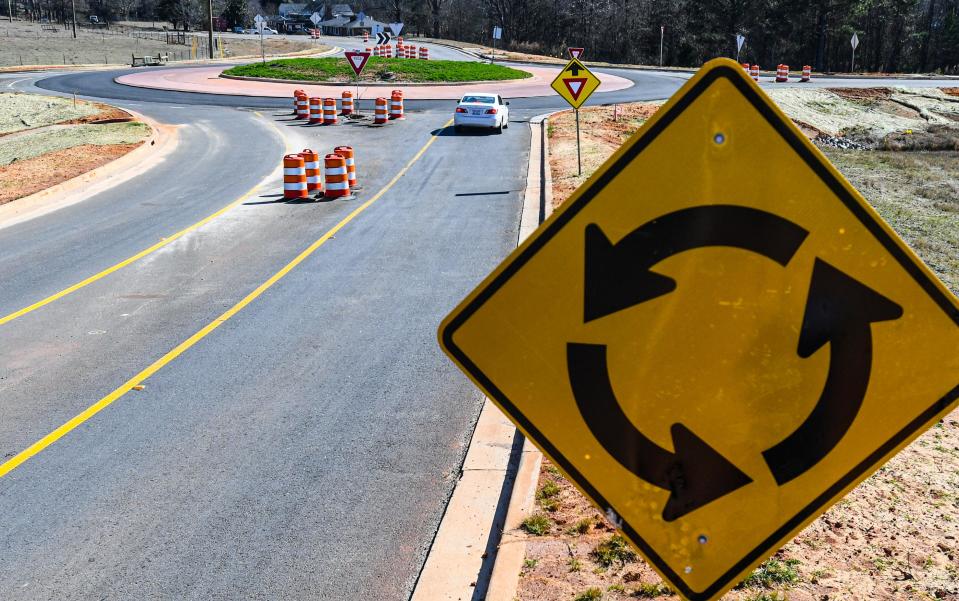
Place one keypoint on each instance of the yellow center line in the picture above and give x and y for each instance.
(146, 251)
(18, 459)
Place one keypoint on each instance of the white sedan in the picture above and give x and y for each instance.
(481, 110)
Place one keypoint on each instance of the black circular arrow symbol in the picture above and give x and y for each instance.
(839, 311)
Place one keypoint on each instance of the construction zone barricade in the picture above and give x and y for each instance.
(311, 163)
(366, 38)
(346, 103)
(380, 113)
(782, 73)
(294, 177)
(336, 177)
(296, 96)
(424, 53)
(754, 72)
(302, 107)
(316, 112)
(329, 111)
(806, 73)
(347, 153)
(396, 105)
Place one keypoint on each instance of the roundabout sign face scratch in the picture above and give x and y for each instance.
(713, 358)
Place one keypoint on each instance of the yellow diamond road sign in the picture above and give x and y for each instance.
(575, 83)
(716, 337)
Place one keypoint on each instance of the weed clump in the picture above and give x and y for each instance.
(613, 550)
(537, 524)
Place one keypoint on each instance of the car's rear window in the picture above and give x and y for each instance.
(480, 99)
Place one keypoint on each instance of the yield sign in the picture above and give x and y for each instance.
(575, 83)
(575, 52)
(357, 60)
(713, 359)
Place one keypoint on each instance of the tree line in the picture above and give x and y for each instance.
(894, 35)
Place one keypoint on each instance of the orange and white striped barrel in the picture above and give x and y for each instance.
(754, 72)
(311, 163)
(297, 94)
(347, 153)
(369, 50)
(411, 52)
(329, 111)
(745, 67)
(396, 105)
(424, 53)
(302, 107)
(399, 40)
(316, 113)
(806, 73)
(782, 73)
(336, 176)
(376, 50)
(388, 51)
(347, 103)
(380, 113)
(366, 37)
(294, 177)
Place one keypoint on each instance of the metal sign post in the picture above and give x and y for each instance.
(662, 33)
(853, 42)
(497, 34)
(579, 157)
(259, 22)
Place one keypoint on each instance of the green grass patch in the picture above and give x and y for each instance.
(537, 524)
(773, 573)
(649, 590)
(405, 70)
(591, 594)
(613, 550)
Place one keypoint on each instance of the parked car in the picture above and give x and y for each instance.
(238, 30)
(481, 110)
(266, 31)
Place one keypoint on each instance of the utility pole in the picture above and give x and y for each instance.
(73, 5)
(10, 10)
(209, 11)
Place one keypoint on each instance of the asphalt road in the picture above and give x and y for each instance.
(298, 432)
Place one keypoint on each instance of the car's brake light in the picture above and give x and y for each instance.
(490, 111)
(460, 109)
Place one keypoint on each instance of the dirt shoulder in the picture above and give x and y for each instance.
(47, 140)
(895, 536)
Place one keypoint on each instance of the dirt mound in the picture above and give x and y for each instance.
(862, 94)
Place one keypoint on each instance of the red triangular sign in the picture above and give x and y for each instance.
(575, 85)
(575, 52)
(357, 60)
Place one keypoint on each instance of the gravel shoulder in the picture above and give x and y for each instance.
(895, 536)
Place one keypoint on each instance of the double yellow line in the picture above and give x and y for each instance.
(18, 459)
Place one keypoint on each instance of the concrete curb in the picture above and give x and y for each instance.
(162, 141)
(468, 559)
(512, 547)
(386, 84)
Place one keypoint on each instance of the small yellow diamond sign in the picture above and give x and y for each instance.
(716, 337)
(575, 83)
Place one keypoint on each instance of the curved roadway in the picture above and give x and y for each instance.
(298, 432)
